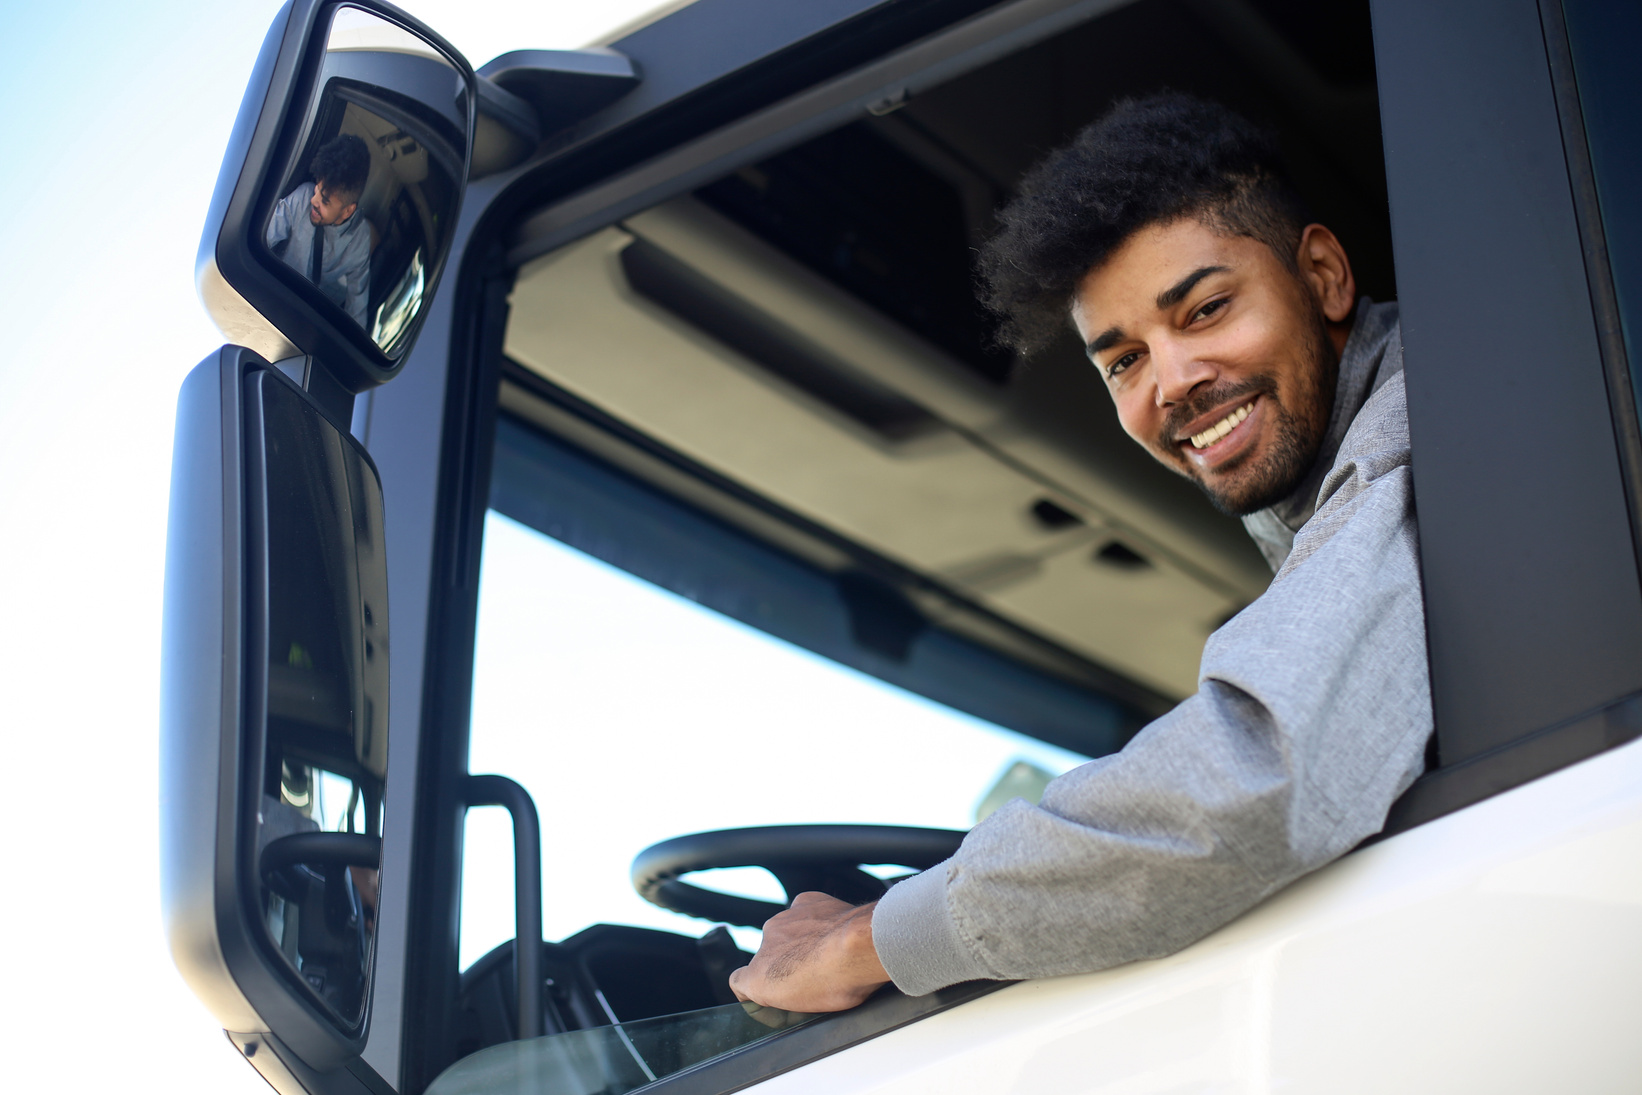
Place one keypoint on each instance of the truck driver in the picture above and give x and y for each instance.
(315, 231)
(1230, 337)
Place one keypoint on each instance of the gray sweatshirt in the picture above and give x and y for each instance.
(1311, 716)
(345, 264)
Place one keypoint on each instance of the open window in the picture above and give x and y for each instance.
(756, 431)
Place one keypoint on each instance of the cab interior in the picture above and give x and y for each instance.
(806, 328)
(790, 361)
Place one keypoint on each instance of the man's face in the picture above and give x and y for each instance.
(1218, 356)
(329, 207)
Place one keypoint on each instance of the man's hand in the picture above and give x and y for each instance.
(816, 956)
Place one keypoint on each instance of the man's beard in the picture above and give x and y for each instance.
(1295, 440)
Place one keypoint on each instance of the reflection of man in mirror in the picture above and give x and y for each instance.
(315, 231)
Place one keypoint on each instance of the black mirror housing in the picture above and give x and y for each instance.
(273, 711)
(363, 75)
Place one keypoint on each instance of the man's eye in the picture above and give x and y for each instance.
(1210, 308)
(1121, 364)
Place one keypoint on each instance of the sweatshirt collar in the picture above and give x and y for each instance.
(1359, 369)
(1358, 378)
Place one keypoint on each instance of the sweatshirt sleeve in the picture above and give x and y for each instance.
(1311, 717)
(279, 224)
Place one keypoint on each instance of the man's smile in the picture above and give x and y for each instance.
(1223, 435)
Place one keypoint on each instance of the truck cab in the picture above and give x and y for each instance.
(674, 497)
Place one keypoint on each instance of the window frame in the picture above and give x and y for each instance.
(1513, 686)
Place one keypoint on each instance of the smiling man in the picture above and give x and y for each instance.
(1228, 332)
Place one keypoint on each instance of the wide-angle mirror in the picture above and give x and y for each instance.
(329, 230)
(371, 202)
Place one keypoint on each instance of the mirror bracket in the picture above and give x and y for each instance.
(563, 85)
(289, 1074)
(310, 374)
(505, 130)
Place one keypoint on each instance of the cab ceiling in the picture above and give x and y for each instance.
(806, 328)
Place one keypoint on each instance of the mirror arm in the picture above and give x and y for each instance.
(310, 374)
(506, 131)
(527, 890)
(326, 390)
(509, 110)
(563, 85)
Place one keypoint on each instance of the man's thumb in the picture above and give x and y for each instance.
(737, 977)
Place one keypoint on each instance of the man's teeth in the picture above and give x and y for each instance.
(1221, 428)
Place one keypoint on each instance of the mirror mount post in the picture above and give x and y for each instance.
(310, 374)
(563, 86)
(527, 890)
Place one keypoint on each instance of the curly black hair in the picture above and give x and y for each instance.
(1148, 161)
(342, 165)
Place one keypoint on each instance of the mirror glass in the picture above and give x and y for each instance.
(316, 537)
(366, 212)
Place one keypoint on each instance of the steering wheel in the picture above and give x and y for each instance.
(284, 862)
(827, 858)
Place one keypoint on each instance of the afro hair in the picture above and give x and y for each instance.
(1148, 161)
(342, 165)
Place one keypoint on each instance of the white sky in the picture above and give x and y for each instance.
(115, 117)
(106, 182)
(633, 715)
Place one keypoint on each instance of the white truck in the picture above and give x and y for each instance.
(698, 305)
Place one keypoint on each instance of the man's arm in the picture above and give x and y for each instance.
(1311, 719)
(279, 224)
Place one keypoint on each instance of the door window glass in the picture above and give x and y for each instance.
(632, 714)
(1604, 37)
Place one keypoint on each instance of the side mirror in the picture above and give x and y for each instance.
(334, 215)
(338, 198)
(274, 711)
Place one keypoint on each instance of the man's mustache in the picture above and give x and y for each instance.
(1201, 403)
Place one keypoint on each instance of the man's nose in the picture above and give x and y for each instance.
(1176, 373)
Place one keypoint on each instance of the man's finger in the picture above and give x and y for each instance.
(815, 897)
(736, 977)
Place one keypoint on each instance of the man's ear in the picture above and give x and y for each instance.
(1327, 272)
(349, 212)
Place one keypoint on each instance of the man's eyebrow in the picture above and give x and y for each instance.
(1177, 292)
(1104, 341)
(1166, 299)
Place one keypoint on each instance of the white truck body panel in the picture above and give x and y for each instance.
(1498, 949)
